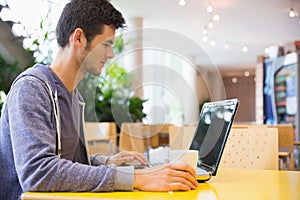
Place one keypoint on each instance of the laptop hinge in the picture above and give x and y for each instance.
(212, 169)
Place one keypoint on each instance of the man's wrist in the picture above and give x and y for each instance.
(124, 179)
(99, 160)
(138, 177)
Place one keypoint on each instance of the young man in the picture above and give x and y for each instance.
(42, 146)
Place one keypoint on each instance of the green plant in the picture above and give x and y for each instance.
(112, 92)
(136, 109)
(113, 99)
(113, 102)
(8, 73)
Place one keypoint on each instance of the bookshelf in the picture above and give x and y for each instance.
(285, 94)
(281, 91)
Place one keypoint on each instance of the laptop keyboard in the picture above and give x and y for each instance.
(155, 164)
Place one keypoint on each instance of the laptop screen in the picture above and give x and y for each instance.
(212, 131)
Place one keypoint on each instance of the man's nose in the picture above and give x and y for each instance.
(109, 52)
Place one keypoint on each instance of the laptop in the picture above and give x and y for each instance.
(210, 137)
(211, 134)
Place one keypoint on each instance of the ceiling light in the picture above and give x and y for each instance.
(181, 2)
(212, 43)
(205, 38)
(210, 25)
(209, 8)
(205, 32)
(234, 80)
(216, 17)
(245, 49)
(267, 50)
(292, 13)
(246, 73)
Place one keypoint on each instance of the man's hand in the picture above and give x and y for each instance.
(179, 176)
(127, 157)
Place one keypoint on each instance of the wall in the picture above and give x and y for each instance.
(244, 89)
(11, 47)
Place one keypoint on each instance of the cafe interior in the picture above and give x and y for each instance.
(174, 58)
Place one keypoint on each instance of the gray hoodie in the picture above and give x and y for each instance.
(30, 158)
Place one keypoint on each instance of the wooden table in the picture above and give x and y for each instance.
(229, 184)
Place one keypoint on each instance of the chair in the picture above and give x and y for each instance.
(139, 137)
(101, 137)
(181, 137)
(239, 125)
(251, 148)
(163, 134)
(297, 154)
(286, 144)
(132, 137)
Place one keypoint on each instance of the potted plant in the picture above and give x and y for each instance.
(111, 93)
(7, 74)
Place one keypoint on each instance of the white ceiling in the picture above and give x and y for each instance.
(254, 23)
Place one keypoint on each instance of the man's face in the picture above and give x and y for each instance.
(99, 51)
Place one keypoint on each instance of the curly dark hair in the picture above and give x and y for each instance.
(90, 16)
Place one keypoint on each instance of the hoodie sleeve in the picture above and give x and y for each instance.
(33, 137)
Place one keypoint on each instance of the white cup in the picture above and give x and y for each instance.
(187, 156)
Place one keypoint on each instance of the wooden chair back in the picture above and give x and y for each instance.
(251, 148)
(239, 125)
(139, 137)
(286, 133)
(164, 139)
(180, 137)
(101, 137)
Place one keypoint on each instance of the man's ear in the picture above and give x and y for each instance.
(78, 38)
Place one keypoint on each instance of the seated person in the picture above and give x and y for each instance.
(42, 145)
